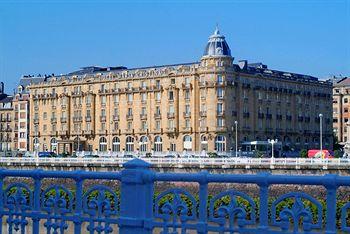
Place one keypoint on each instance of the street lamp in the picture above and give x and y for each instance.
(199, 132)
(236, 123)
(272, 142)
(321, 116)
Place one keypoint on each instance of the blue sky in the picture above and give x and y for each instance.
(310, 37)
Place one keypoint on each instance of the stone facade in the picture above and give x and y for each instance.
(341, 109)
(6, 124)
(179, 107)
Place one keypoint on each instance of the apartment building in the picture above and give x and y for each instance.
(6, 120)
(190, 106)
(341, 108)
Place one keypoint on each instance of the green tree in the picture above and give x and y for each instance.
(303, 153)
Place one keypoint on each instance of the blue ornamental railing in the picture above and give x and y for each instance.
(29, 208)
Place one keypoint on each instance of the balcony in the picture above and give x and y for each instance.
(88, 132)
(279, 116)
(186, 86)
(171, 115)
(268, 116)
(36, 121)
(187, 129)
(77, 119)
(88, 118)
(157, 115)
(246, 114)
(171, 129)
(203, 113)
(289, 117)
(221, 129)
(129, 131)
(203, 129)
(187, 114)
(203, 84)
(63, 120)
(261, 115)
(53, 120)
(129, 116)
(116, 118)
(103, 118)
(63, 133)
(143, 116)
(220, 113)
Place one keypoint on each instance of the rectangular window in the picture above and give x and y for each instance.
(129, 111)
(171, 109)
(172, 147)
(187, 94)
(158, 84)
(143, 84)
(103, 100)
(143, 97)
(143, 111)
(220, 122)
(129, 125)
(172, 81)
(187, 109)
(171, 96)
(103, 126)
(130, 97)
(158, 96)
(129, 85)
(219, 79)
(158, 110)
(144, 125)
(103, 112)
(188, 123)
(220, 93)
(219, 107)
(116, 98)
(171, 123)
(157, 125)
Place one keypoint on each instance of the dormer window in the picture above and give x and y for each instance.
(20, 89)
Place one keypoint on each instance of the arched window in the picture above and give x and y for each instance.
(36, 144)
(143, 143)
(187, 142)
(220, 143)
(53, 145)
(116, 144)
(204, 143)
(129, 144)
(103, 144)
(158, 144)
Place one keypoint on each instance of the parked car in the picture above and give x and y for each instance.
(46, 154)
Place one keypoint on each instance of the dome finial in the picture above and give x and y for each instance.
(217, 32)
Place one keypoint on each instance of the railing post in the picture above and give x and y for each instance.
(78, 203)
(264, 203)
(36, 201)
(331, 186)
(136, 202)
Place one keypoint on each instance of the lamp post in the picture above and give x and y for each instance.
(236, 123)
(321, 116)
(272, 142)
(199, 137)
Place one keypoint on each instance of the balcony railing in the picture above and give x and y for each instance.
(134, 207)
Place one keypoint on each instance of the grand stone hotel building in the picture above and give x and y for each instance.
(190, 106)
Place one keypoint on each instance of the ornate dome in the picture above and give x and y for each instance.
(217, 45)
